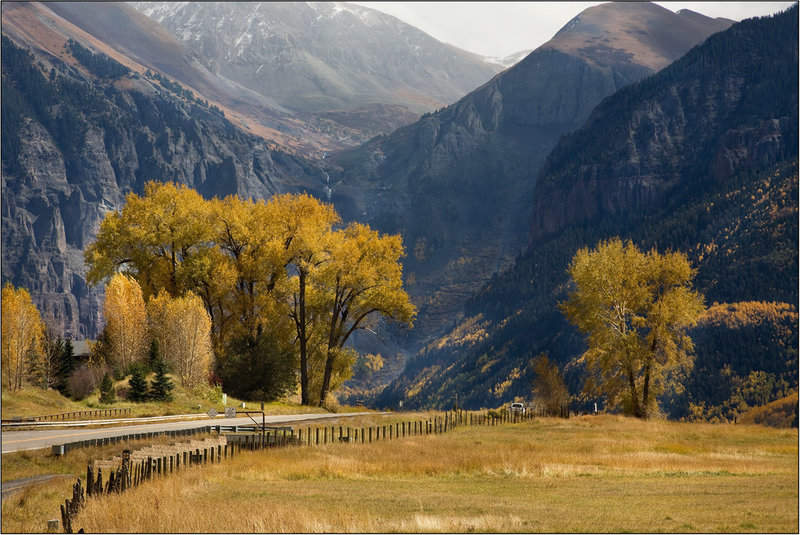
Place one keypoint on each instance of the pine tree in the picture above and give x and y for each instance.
(154, 355)
(161, 387)
(65, 368)
(137, 385)
(107, 390)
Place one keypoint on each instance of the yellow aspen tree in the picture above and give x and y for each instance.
(22, 331)
(126, 320)
(182, 327)
(162, 238)
(158, 325)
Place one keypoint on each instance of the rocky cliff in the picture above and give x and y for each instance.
(458, 184)
(691, 123)
(75, 142)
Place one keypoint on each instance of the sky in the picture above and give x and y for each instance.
(499, 29)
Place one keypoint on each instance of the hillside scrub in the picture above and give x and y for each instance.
(621, 474)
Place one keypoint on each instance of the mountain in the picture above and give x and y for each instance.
(511, 59)
(315, 58)
(702, 158)
(458, 183)
(120, 31)
(80, 131)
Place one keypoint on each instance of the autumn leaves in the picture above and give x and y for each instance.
(283, 268)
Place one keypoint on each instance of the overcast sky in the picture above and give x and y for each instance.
(503, 28)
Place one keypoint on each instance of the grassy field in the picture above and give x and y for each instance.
(588, 474)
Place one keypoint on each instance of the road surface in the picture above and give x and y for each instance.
(37, 439)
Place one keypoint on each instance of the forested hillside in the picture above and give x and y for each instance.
(700, 158)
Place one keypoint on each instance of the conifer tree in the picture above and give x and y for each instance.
(153, 355)
(161, 387)
(66, 367)
(137, 385)
(107, 390)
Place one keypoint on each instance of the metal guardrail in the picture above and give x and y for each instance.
(61, 449)
(82, 423)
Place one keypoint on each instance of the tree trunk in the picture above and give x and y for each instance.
(637, 409)
(326, 379)
(646, 391)
(301, 331)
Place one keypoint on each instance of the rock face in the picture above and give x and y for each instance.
(75, 145)
(458, 184)
(318, 57)
(700, 157)
(692, 123)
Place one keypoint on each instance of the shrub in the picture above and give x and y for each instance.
(81, 383)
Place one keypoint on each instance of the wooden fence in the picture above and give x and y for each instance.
(132, 469)
(62, 449)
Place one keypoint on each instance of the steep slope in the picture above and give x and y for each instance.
(458, 183)
(120, 31)
(80, 131)
(319, 57)
(702, 158)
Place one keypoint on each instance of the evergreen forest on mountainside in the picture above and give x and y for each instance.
(738, 225)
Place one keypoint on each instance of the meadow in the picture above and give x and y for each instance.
(587, 474)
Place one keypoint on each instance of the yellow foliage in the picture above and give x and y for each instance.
(22, 332)
(467, 333)
(182, 327)
(280, 266)
(501, 387)
(737, 315)
(635, 308)
(126, 320)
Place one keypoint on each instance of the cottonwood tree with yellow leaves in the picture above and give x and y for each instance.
(362, 280)
(635, 308)
(22, 331)
(280, 267)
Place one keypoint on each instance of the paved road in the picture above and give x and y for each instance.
(36, 439)
(10, 487)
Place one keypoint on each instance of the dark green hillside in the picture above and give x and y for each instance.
(700, 158)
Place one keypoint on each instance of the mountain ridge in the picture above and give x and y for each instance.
(466, 172)
(713, 166)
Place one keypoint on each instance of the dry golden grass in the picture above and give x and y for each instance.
(590, 474)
